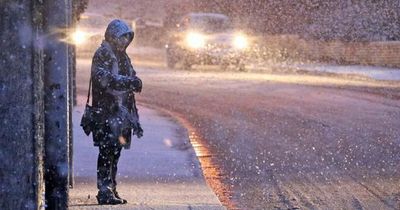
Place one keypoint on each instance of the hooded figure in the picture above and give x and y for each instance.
(114, 84)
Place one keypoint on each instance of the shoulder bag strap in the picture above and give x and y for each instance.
(90, 86)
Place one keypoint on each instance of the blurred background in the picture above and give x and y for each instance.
(346, 32)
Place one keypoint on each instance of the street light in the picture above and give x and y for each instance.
(79, 37)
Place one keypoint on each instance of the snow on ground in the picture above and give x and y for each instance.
(375, 72)
(288, 141)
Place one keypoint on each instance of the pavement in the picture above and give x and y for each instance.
(160, 171)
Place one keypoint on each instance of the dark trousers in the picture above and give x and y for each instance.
(107, 167)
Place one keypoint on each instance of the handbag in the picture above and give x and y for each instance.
(88, 121)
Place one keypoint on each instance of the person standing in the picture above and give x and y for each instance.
(114, 86)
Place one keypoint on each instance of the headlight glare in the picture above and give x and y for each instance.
(195, 40)
(240, 42)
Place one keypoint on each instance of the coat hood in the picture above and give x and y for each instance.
(116, 29)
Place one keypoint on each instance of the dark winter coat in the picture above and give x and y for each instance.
(114, 82)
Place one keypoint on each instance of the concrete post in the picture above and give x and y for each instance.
(21, 105)
(35, 104)
(56, 104)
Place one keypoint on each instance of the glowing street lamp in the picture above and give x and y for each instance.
(79, 37)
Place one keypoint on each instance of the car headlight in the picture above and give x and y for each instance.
(240, 42)
(79, 37)
(195, 40)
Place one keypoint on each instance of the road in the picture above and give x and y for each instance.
(286, 141)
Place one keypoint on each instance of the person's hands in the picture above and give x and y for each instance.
(137, 84)
(139, 132)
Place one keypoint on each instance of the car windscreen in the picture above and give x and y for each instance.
(210, 24)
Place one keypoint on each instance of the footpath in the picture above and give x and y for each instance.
(160, 171)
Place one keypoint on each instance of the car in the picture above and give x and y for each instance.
(206, 38)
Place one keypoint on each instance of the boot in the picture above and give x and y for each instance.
(117, 196)
(108, 198)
